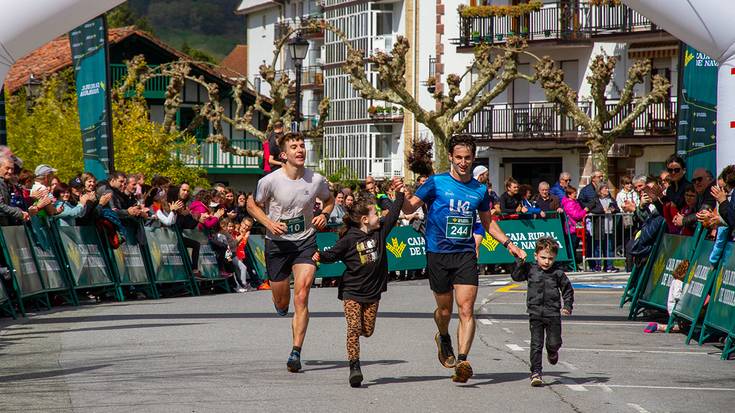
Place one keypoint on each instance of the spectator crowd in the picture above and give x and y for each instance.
(607, 217)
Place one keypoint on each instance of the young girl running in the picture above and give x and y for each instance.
(361, 248)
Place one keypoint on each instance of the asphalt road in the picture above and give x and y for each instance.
(228, 352)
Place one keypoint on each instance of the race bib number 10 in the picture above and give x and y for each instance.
(459, 227)
(294, 225)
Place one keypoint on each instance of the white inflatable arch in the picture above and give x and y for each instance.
(27, 25)
(708, 26)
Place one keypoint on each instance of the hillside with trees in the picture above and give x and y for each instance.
(208, 26)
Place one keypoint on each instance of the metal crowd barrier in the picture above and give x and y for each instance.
(604, 239)
(45, 259)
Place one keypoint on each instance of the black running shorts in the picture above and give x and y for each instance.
(447, 270)
(280, 256)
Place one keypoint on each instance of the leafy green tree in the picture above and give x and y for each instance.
(123, 15)
(197, 54)
(46, 130)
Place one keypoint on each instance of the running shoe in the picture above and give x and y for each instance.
(462, 372)
(294, 362)
(264, 286)
(281, 311)
(536, 380)
(355, 373)
(446, 352)
(552, 357)
(651, 328)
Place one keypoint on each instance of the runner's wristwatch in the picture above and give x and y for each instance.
(506, 243)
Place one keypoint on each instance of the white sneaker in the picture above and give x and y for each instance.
(241, 290)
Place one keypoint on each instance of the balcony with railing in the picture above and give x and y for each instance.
(215, 161)
(312, 77)
(155, 88)
(560, 21)
(542, 120)
(385, 112)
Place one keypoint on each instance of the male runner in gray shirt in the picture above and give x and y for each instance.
(284, 204)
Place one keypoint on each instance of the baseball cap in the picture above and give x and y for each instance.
(76, 182)
(479, 170)
(44, 169)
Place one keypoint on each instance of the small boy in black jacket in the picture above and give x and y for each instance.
(544, 303)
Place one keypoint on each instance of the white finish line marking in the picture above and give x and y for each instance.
(514, 347)
(631, 386)
(570, 366)
(576, 387)
(610, 350)
(498, 283)
(638, 408)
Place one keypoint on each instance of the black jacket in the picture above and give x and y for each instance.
(509, 203)
(675, 193)
(8, 214)
(364, 255)
(543, 298)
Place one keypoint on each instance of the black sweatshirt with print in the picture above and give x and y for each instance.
(364, 255)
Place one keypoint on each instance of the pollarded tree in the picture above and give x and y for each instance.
(278, 107)
(599, 140)
(454, 110)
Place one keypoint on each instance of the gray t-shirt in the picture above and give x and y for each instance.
(291, 202)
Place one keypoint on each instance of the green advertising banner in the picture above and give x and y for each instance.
(130, 264)
(81, 245)
(406, 249)
(256, 252)
(325, 241)
(721, 308)
(89, 58)
(48, 262)
(524, 233)
(673, 249)
(19, 254)
(697, 110)
(167, 255)
(207, 258)
(697, 286)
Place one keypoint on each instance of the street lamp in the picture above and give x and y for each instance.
(33, 90)
(298, 47)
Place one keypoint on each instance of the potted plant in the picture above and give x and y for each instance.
(372, 111)
(476, 36)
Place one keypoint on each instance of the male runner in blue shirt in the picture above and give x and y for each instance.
(454, 198)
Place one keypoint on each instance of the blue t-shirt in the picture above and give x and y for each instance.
(452, 209)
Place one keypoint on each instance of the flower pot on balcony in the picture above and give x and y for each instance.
(547, 33)
(488, 39)
(499, 36)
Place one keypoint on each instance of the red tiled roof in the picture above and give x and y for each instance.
(237, 60)
(51, 58)
(55, 56)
